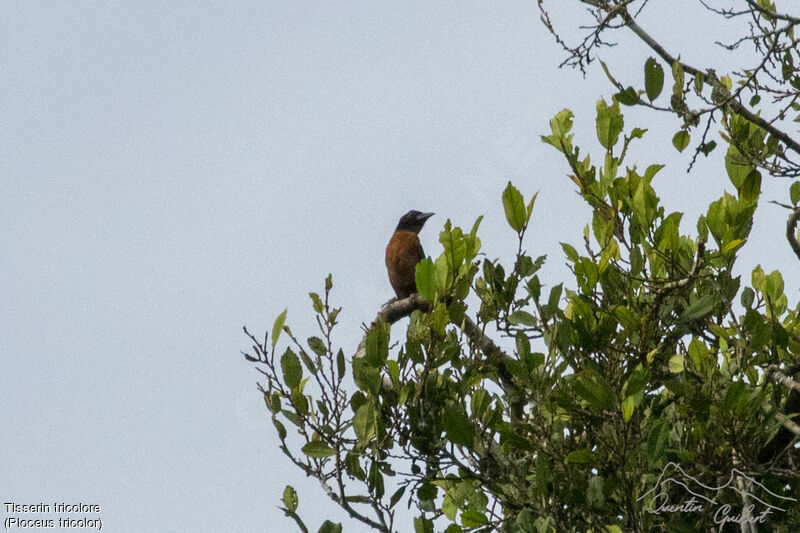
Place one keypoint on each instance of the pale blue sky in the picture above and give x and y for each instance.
(170, 171)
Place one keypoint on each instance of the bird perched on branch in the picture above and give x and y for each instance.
(404, 251)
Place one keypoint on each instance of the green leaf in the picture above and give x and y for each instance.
(522, 317)
(736, 168)
(628, 405)
(595, 389)
(555, 296)
(774, 286)
(794, 192)
(609, 124)
(366, 376)
(681, 140)
(444, 274)
(657, 441)
(473, 518)
(427, 491)
(329, 527)
(280, 427)
(751, 188)
(475, 225)
(364, 423)
(699, 79)
(627, 96)
(318, 449)
(317, 345)
(292, 371)
(310, 365)
(698, 309)
(736, 397)
(472, 242)
(708, 147)
(608, 73)
(748, 296)
(422, 525)
(676, 364)
(290, 499)
(426, 279)
(651, 171)
(653, 78)
(458, 426)
(440, 318)
(394, 371)
(340, 363)
(481, 400)
(731, 246)
(529, 208)
(626, 317)
(273, 402)
(455, 248)
(637, 382)
(581, 456)
(570, 252)
(292, 417)
(299, 400)
(277, 327)
(377, 344)
(560, 126)
(699, 354)
(353, 467)
(594, 493)
(316, 302)
(679, 77)
(398, 494)
(758, 279)
(514, 206)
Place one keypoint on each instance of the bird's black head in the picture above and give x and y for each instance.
(413, 221)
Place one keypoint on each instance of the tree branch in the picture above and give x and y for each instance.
(774, 373)
(394, 310)
(712, 78)
(391, 312)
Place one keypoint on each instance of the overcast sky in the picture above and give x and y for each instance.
(171, 171)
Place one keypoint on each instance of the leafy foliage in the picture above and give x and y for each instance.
(509, 404)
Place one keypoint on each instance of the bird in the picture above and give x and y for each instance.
(404, 251)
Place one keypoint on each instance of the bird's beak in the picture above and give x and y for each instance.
(425, 216)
